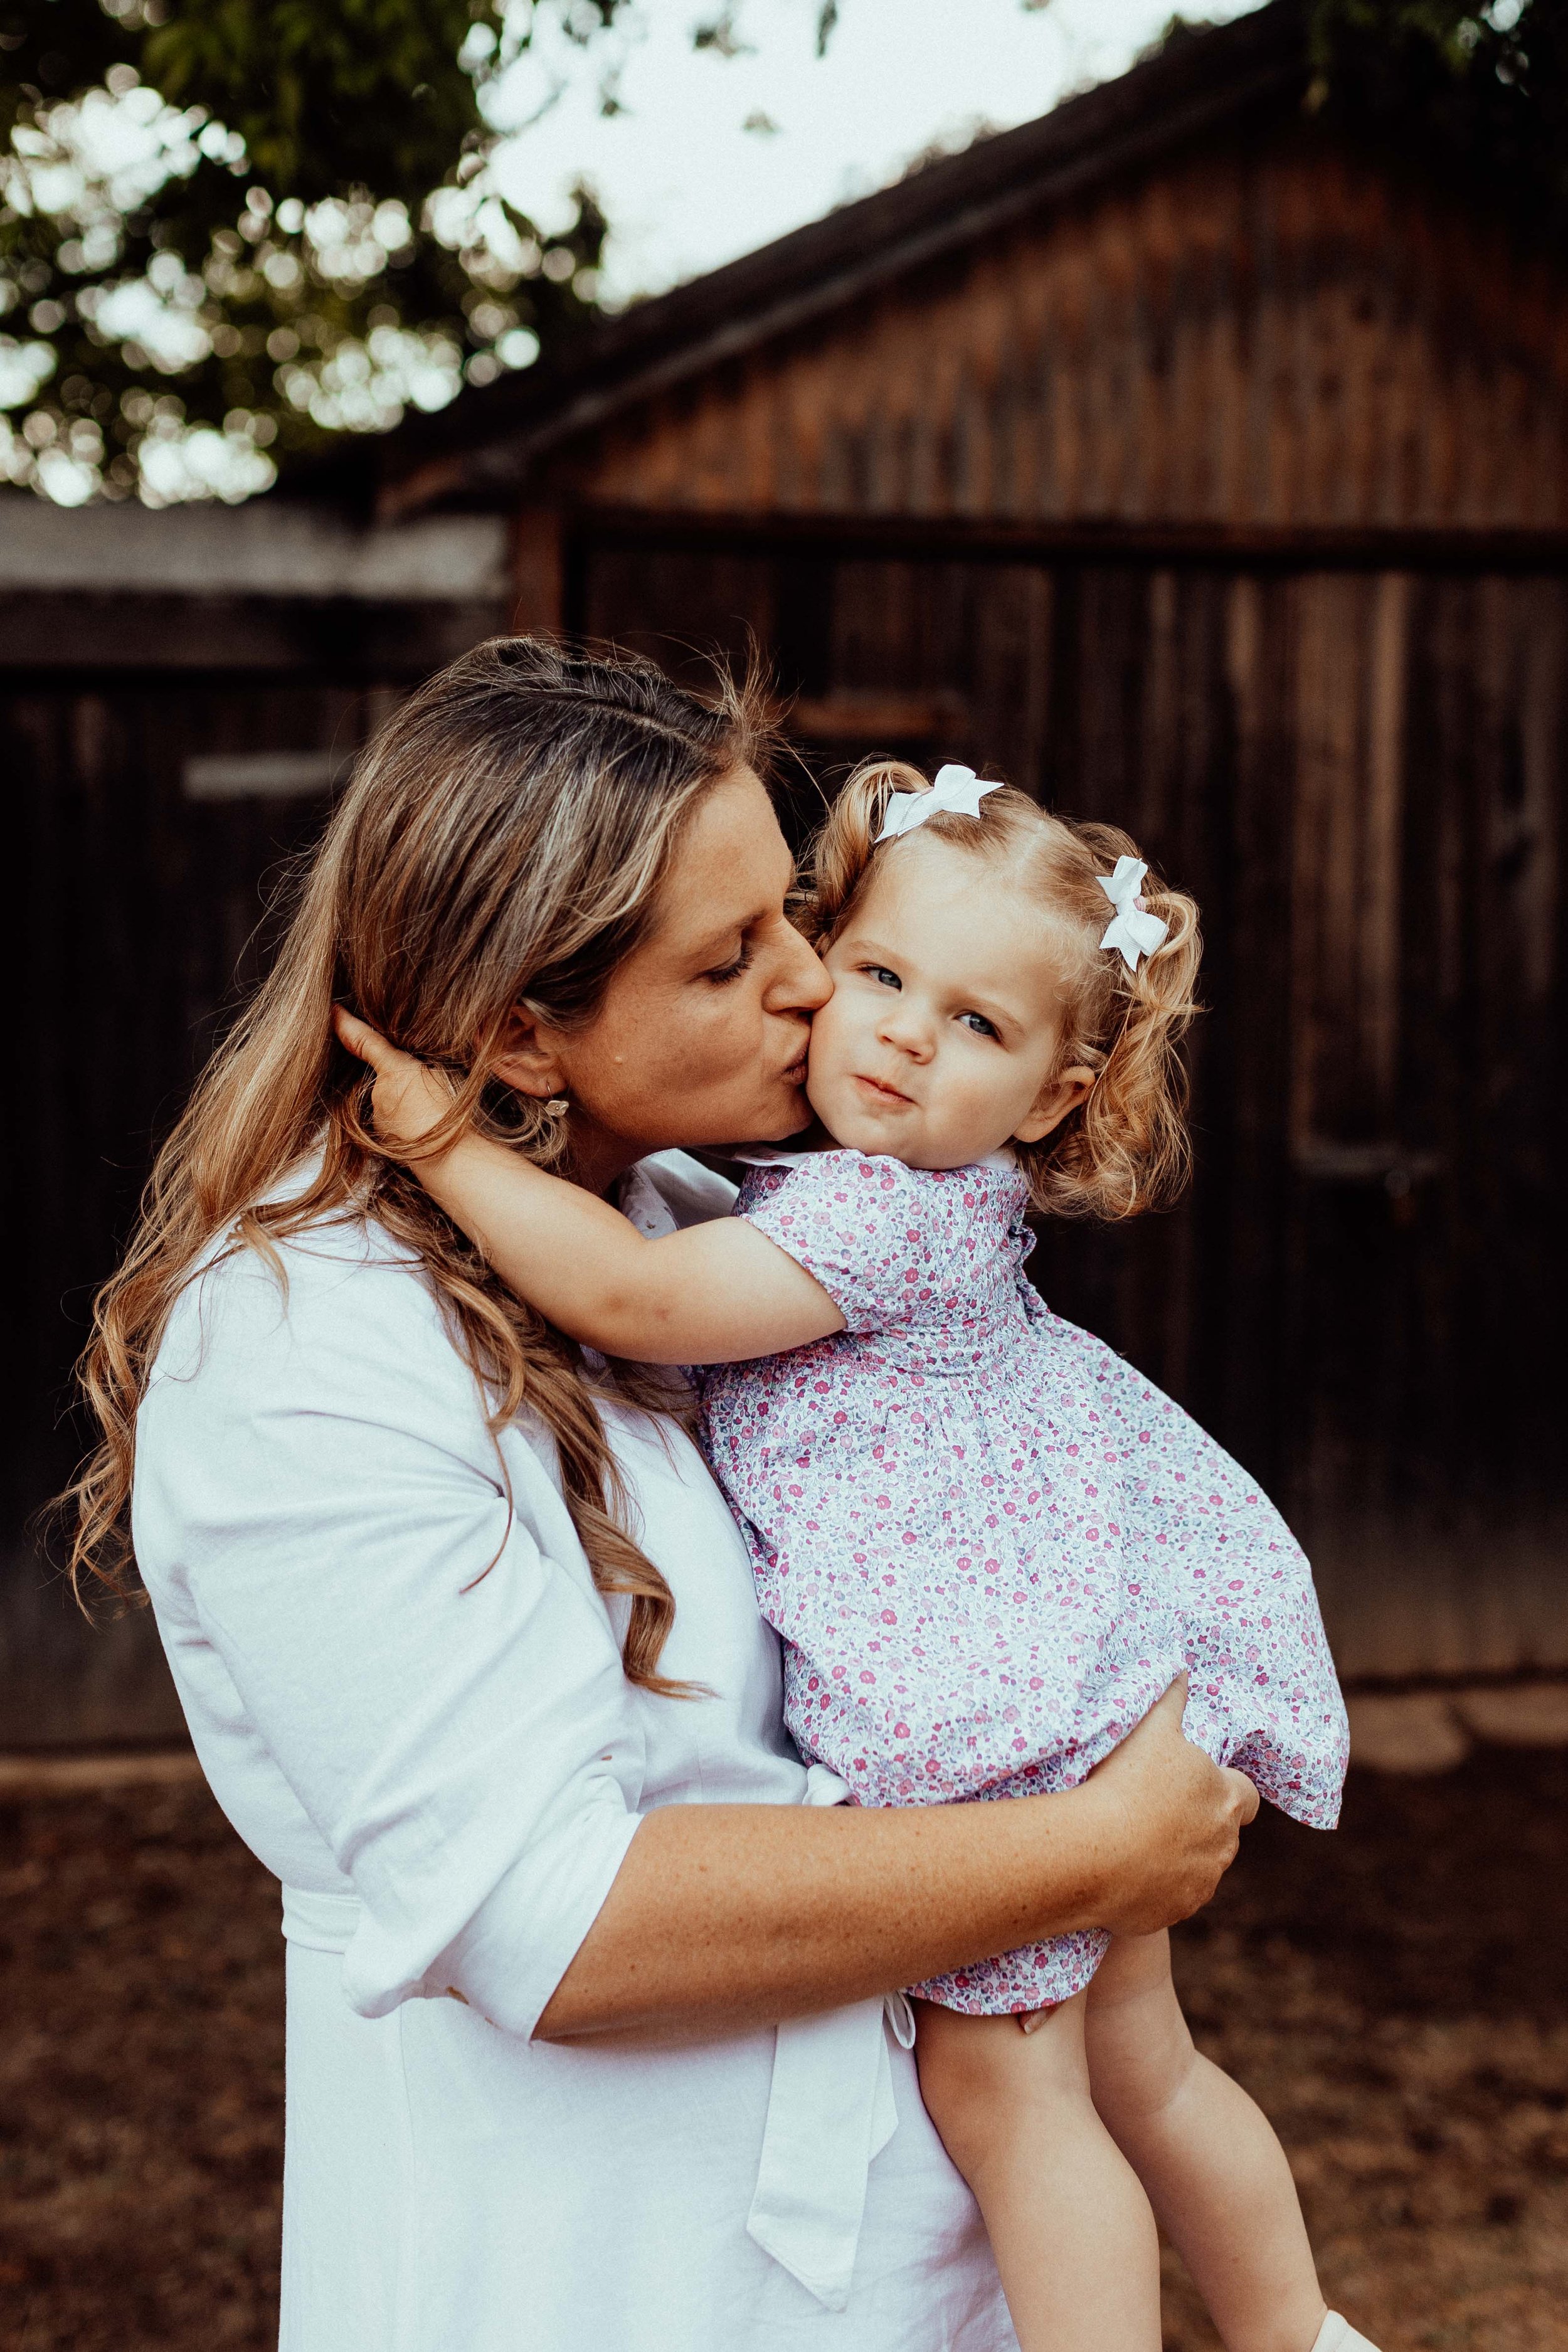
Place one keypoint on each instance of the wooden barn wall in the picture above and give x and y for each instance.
(1361, 775)
(135, 919)
(1277, 336)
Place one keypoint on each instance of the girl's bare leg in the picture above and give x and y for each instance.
(1070, 2228)
(1214, 2173)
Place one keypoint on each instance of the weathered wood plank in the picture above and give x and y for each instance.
(1275, 332)
(307, 636)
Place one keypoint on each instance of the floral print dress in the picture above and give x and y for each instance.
(990, 1544)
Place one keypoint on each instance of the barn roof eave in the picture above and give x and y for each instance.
(480, 451)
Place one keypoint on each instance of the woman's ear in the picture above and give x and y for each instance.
(1051, 1105)
(530, 1058)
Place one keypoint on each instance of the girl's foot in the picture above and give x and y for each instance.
(1337, 2334)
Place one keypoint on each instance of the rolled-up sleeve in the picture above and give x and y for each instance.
(410, 1629)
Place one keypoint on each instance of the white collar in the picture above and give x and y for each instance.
(767, 1155)
(669, 1190)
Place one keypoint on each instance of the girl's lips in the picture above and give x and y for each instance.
(886, 1094)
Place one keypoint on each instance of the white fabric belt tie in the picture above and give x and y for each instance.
(830, 2111)
(322, 1923)
(830, 2104)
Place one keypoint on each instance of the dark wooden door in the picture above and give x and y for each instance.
(136, 917)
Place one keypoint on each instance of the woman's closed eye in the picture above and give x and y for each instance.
(720, 973)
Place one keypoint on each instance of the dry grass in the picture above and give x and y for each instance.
(1394, 1995)
(141, 2083)
(1396, 1998)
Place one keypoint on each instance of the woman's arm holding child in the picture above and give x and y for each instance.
(714, 1295)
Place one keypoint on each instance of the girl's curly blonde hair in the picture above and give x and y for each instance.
(1125, 1146)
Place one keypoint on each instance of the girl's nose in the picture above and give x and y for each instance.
(902, 1027)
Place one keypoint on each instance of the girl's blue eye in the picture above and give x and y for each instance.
(981, 1026)
(883, 977)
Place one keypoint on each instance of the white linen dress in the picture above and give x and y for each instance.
(445, 1767)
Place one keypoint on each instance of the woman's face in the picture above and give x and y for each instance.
(702, 1033)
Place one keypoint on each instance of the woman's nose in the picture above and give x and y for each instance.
(800, 982)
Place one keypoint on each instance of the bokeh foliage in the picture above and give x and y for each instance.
(312, 239)
(1484, 88)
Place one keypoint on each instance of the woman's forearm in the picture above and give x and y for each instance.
(730, 1914)
(744, 1913)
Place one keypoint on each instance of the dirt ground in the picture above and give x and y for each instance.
(1396, 1996)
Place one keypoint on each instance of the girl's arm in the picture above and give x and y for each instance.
(714, 1295)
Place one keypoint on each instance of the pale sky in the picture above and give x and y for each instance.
(686, 185)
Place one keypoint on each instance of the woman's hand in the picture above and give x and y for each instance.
(1177, 1819)
(409, 1099)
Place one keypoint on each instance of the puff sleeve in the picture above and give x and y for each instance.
(883, 1240)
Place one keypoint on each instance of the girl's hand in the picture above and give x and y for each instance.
(409, 1099)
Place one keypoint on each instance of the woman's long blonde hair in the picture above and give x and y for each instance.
(502, 843)
(1125, 1148)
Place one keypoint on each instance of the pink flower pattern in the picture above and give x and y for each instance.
(988, 1542)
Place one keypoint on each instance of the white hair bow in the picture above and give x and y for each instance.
(957, 792)
(1132, 927)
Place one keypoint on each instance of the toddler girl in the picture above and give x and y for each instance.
(989, 1545)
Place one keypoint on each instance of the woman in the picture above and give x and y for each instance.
(587, 2039)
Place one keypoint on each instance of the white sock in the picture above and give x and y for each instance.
(1337, 2334)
